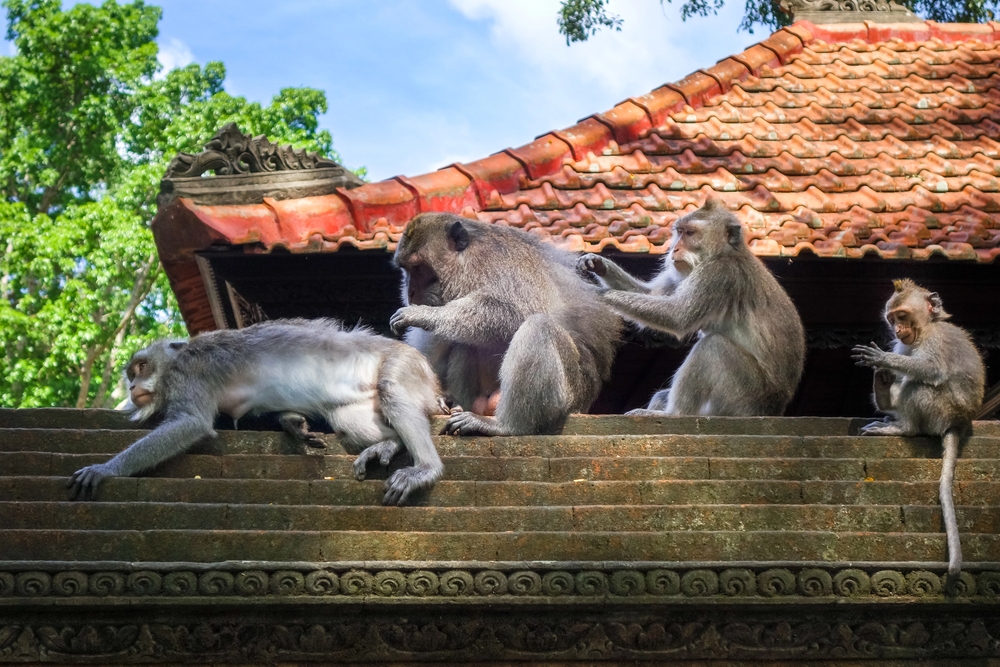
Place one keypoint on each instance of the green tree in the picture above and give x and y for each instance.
(578, 20)
(86, 131)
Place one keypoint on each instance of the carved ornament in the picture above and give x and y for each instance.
(793, 6)
(550, 636)
(231, 152)
(429, 582)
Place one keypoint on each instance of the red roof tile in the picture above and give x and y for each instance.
(843, 140)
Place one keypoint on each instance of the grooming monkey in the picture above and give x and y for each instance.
(505, 320)
(932, 383)
(751, 348)
(376, 392)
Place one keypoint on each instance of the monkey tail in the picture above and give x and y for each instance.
(949, 443)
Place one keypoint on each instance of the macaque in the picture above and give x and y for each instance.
(506, 322)
(931, 383)
(751, 346)
(375, 392)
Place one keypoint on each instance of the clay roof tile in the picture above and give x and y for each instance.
(838, 140)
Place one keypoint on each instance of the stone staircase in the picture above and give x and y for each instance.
(622, 539)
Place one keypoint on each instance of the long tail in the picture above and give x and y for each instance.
(950, 443)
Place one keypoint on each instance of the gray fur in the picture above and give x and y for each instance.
(931, 386)
(376, 392)
(751, 348)
(496, 310)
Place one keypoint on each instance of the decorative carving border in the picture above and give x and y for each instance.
(666, 584)
(232, 152)
(553, 637)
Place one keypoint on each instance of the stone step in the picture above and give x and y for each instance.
(528, 469)
(576, 425)
(109, 442)
(205, 516)
(319, 546)
(458, 493)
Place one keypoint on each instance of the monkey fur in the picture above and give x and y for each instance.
(751, 348)
(505, 320)
(931, 383)
(376, 392)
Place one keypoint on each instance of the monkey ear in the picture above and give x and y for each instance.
(176, 344)
(458, 235)
(936, 307)
(734, 234)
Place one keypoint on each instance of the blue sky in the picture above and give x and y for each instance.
(414, 85)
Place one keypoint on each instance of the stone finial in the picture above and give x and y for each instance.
(847, 11)
(232, 152)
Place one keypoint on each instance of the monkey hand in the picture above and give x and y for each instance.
(869, 355)
(591, 263)
(84, 482)
(405, 317)
(383, 451)
(405, 481)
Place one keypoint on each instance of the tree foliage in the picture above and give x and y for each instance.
(580, 19)
(87, 127)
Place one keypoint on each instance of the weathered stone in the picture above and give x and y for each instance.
(740, 517)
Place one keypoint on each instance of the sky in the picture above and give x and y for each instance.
(415, 85)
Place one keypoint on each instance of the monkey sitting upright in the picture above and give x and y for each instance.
(932, 383)
(496, 310)
(751, 348)
(376, 392)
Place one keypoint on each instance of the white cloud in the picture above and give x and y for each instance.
(654, 46)
(174, 53)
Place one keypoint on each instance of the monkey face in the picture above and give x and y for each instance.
(708, 232)
(139, 375)
(686, 247)
(434, 258)
(143, 371)
(911, 309)
(422, 286)
(904, 325)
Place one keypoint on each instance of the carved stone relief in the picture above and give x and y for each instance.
(232, 152)
(844, 11)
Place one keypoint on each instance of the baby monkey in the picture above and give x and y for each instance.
(930, 384)
(376, 392)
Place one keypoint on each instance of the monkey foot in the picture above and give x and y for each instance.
(882, 428)
(643, 412)
(469, 423)
(296, 426)
(383, 451)
(405, 481)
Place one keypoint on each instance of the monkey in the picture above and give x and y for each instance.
(376, 392)
(506, 322)
(932, 383)
(750, 351)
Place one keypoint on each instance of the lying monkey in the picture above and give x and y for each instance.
(376, 392)
(930, 384)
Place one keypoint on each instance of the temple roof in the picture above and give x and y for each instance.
(839, 141)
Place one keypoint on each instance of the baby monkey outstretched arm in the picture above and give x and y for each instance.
(930, 384)
(378, 393)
